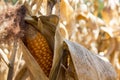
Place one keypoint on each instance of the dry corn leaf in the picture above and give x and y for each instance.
(89, 66)
(60, 34)
(82, 64)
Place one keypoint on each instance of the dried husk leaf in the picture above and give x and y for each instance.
(62, 67)
(48, 28)
(60, 34)
(89, 66)
(66, 70)
(58, 52)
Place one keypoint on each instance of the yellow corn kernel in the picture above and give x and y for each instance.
(39, 48)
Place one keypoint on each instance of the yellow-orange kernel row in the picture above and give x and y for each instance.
(40, 50)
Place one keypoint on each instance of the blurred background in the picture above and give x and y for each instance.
(94, 24)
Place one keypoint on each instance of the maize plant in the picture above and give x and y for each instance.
(37, 47)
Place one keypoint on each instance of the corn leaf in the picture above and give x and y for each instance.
(89, 66)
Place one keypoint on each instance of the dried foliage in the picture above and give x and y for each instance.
(94, 24)
(67, 25)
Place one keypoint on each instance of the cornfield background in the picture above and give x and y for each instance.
(95, 24)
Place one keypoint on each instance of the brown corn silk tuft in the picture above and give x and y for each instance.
(12, 22)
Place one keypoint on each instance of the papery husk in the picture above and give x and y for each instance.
(49, 27)
(60, 35)
(66, 70)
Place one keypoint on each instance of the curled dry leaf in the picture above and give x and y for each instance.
(49, 27)
(58, 52)
(89, 66)
(73, 61)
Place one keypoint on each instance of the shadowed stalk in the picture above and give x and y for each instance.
(12, 59)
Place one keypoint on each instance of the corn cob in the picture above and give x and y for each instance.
(38, 46)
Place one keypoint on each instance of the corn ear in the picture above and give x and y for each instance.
(39, 48)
